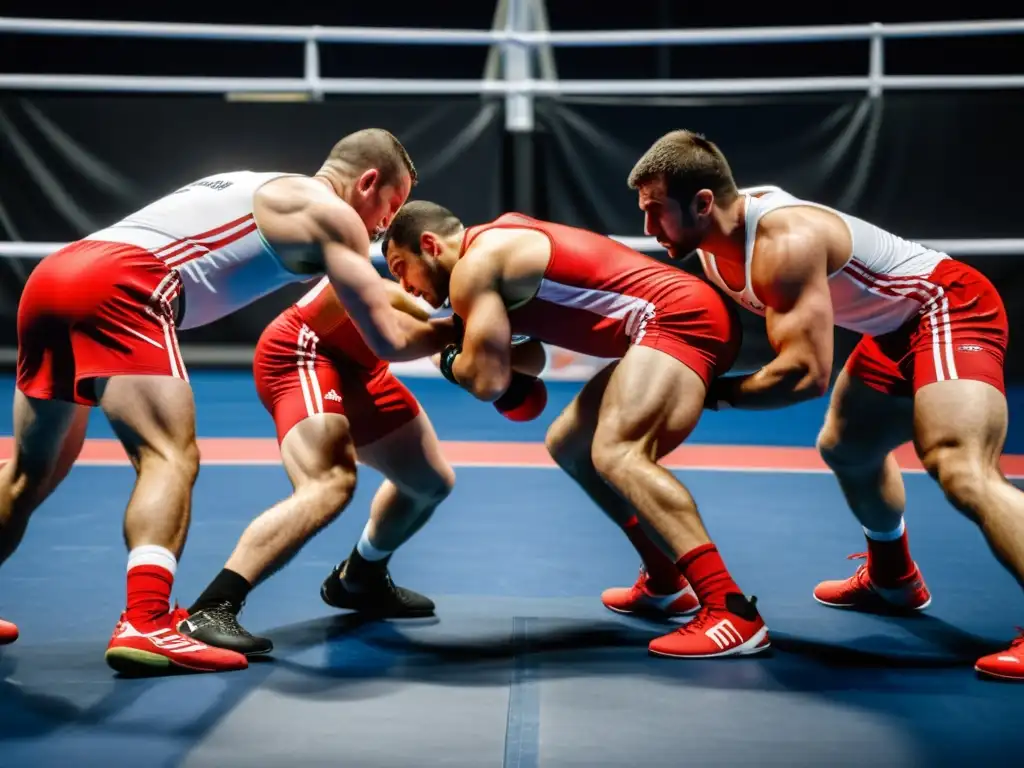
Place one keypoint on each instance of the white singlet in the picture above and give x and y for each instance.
(207, 233)
(884, 283)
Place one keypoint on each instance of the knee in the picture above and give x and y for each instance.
(613, 458)
(329, 491)
(838, 454)
(963, 476)
(182, 461)
(435, 487)
(564, 444)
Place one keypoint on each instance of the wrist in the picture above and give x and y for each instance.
(447, 362)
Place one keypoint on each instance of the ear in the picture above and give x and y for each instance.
(429, 244)
(368, 180)
(702, 203)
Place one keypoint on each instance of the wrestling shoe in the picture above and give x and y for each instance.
(372, 592)
(157, 647)
(736, 630)
(8, 632)
(1005, 665)
(859, 593)
(642, 599)
(218, 626)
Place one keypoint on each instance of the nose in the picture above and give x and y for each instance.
(648, 230)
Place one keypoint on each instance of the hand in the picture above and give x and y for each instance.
(524, 400)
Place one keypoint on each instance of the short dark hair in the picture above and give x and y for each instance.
(373, 148)
(688, 163)
(415, 218)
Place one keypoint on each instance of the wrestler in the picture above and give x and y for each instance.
(97, 327)
(928, 368)
(667, 333)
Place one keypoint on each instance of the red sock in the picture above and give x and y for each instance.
(149, 594)
(704, 569)
(665, 577)
(889, 562)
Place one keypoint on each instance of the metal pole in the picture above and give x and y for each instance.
(519, 114)
(876, 65)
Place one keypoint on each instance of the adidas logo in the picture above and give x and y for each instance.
(724, 634)
(332, 395)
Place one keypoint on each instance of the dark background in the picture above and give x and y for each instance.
(928, 164)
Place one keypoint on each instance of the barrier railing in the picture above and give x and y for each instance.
(978, 247)
(874, 81)
(522, 89)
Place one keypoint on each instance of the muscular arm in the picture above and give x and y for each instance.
(403, 301)
(790, 277)
(483, 367)
(312, 230)
(392, 333)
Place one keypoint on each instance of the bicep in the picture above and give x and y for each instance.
(798, 313)
(806, 322)
(488, 333)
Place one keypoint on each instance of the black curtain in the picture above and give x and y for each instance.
(73, 164)
(924, 165)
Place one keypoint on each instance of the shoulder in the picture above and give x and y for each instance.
(789, 255)
(301, 204)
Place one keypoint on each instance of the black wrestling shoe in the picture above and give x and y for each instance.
(373, 593)
(218, 626)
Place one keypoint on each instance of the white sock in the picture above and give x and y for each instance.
(892, 535)
(151, 554)
(366, 550)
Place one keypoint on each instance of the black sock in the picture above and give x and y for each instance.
(226, 587)
(358, 568)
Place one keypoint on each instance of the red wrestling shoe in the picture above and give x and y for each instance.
(860, 593)
(642, 599)
(735, 630)
(8, 632)
(158, 646)
(1005, 665)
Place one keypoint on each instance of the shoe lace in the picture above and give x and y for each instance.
(697, 623)
(225, 619)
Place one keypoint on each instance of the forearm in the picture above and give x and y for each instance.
(486, 382)
(417, 338)
(529, 359)
(776, 385)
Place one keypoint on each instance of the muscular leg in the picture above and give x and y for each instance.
(48, 436)
(320, 461)
(154, 418)
(660, 588)
(417, 479)
(569, 441)
(963, 453)
(862, 428)
(651, 404)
